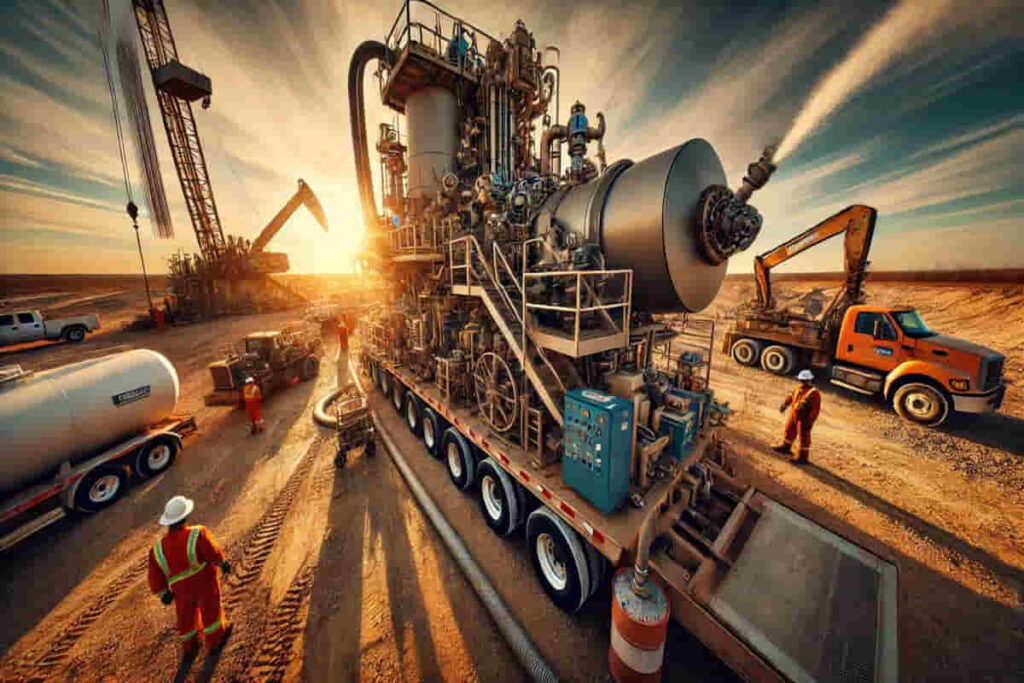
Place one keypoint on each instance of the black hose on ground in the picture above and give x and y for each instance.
(515, 635)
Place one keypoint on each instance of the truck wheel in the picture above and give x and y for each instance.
(385, 383)
(155, 457)
(433, 428)
(397, 395)
(310, 368)
(99, 488)
(458, 455)
(375, 373)
(921, 403)
(502, 500)
(778, 359)
(74, 334)
(413, 415)
(746, 352)
(559, 559)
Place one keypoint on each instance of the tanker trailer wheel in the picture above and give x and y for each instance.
(155, 457)
(310, 368)
(921, 403)
(414, 414)
(375, 373)
(778, 359)
(502, 500)
(559, 559)
(397, 395)
(433, 427)
(458, 455)
(746, 352)
(385, 383)
(74, 334)
(99, 488)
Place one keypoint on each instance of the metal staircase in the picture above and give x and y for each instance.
(472, 275)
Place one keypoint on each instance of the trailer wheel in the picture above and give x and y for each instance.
(598, 566)
(458, 455)
(99, 488)
(310, 368)
(502, 500)
(74, 334)
(397, 395)
(778, 359)
(414, 415)
(155, 457)
(746, 352)
(559, 559)
(921, 403)
(433, 427)
(385, 383)
(375, 373)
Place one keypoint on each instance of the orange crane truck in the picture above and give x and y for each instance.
(871, 350)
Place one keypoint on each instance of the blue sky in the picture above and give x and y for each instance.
(915, 107)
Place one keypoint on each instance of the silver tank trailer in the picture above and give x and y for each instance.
(645, 217)
(71, 412)
(432, 119)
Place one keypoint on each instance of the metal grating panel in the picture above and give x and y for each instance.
(816, 606)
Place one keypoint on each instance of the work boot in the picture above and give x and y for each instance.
(784, 449)
(801, 459)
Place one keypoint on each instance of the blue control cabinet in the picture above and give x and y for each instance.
(681, 419)
(598, 438)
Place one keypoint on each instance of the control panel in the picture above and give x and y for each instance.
(598, 439)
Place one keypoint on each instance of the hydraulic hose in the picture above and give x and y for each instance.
(364, 54)
(515, 635)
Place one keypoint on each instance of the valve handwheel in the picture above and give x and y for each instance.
(496, 392)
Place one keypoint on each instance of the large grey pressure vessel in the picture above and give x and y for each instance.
(432, 120)
(645, 217)
(71, 412)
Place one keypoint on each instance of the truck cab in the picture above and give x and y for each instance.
(21, 327)
(926, 375)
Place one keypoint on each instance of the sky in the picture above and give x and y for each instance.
(914, 107)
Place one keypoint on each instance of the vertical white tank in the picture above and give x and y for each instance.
(73, 411)
(432, 120)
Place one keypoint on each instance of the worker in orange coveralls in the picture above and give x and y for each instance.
(253, 399)
(183, 568)
(804, 405)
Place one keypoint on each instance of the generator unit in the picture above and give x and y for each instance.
(598, 441)
(680, 418)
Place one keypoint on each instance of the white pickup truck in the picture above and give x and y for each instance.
(20, 327)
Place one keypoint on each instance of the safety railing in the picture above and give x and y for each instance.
(610, 312)
(416, 239)
(450, 38)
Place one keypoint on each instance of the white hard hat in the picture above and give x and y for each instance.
(805, 376)
(250, 380)
(177, 509)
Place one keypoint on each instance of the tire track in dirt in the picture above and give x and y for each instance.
(283, 628)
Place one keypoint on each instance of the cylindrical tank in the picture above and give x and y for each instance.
(432, 119)
(71, 412)
(645, 217)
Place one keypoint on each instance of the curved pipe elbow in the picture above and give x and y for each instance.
(363, 55)
(597, 133)
(556, 132)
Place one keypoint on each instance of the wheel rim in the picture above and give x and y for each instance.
(552, 567)
(496, 392)
(410, 414)
(428, 433)
(922, 405)
(492, 500)
(744, 353)
(455, 460)
(104, 489)
(774, 360)
(158, 457)
(396, 397)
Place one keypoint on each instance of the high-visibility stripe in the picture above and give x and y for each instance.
(193, 536)
(212, 627)
(158, 551)
(195, 566)
(188, 636)
(192, 571)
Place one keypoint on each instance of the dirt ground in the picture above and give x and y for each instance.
(338, 576)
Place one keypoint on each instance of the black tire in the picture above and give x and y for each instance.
(598, 566)
(459, 459)
(502, 500)
(100, 487)
(397, 396)
(310, 368)
(155, 457)
(778, 359)
(559, 559)
(375, 373)
(922, 404)
(432, 429)
(75, 334)
(746, 352)
(385, 383)
(414, 414)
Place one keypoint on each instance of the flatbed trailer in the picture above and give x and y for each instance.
(768, 594)
(94, 483)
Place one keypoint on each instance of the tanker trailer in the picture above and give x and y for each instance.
(73, 435)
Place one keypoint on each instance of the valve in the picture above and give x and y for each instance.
(728, 225)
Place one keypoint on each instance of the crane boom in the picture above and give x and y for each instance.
(176, 87)
(857, 221)
(304, 195)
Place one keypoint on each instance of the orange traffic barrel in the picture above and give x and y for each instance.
(639, 628)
